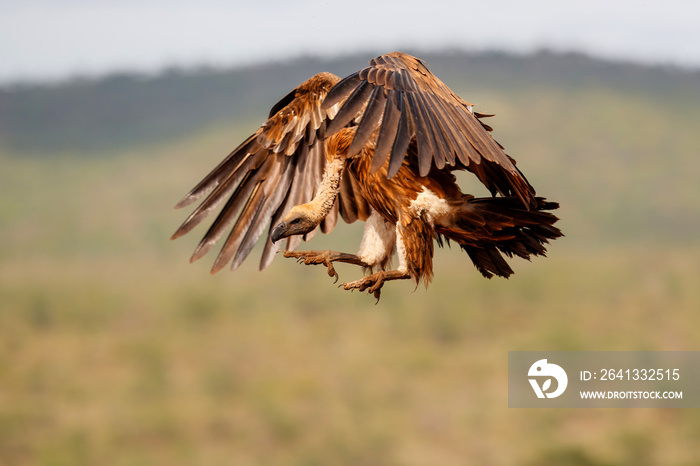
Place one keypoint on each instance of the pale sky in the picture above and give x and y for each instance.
(48, 40)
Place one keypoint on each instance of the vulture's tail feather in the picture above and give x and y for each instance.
(489, 227)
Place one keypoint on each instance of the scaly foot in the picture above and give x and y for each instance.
(326, 258)
(373, 283)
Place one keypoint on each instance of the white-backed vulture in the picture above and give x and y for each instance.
(380, 146)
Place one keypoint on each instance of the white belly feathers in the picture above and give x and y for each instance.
(428, 205)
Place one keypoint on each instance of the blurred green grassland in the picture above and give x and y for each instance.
(115, 350)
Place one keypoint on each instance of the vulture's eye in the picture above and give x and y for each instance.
(295, 221)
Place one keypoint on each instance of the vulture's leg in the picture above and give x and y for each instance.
(326, 258)
(375, 249)
(373, 283)
(413, 240)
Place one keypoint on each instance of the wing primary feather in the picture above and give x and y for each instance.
(387, 130)
(504, 175)
(442, 131)
(245, 228)
(443, 152)
(403, 138)
(244, 193)
(254, 231)
(468, 153)
(225, 218)
(447, 119)
(351, 107)
(369, 121)
(273, 191)
(277, 201)
(221, 171)
(219, 194)
(236, 236)
(268, 254)
(480, 139)
(406, 81)
(293, 196)
(341, 90)
(426, 150)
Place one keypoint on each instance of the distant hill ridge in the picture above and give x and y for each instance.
(86, 115)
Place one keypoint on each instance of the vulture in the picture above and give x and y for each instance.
(381, 146)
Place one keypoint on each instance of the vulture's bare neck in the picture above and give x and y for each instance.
(328, 190)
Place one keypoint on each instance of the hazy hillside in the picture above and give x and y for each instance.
(88, 115)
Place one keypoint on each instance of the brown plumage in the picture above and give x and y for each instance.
(380, 146)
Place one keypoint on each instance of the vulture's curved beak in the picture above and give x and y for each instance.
(278, 232)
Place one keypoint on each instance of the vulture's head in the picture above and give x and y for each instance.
(299, 221)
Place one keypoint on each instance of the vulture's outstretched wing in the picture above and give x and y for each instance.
(399, 95)
(276, 168)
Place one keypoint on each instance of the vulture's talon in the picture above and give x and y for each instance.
(315, 258)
